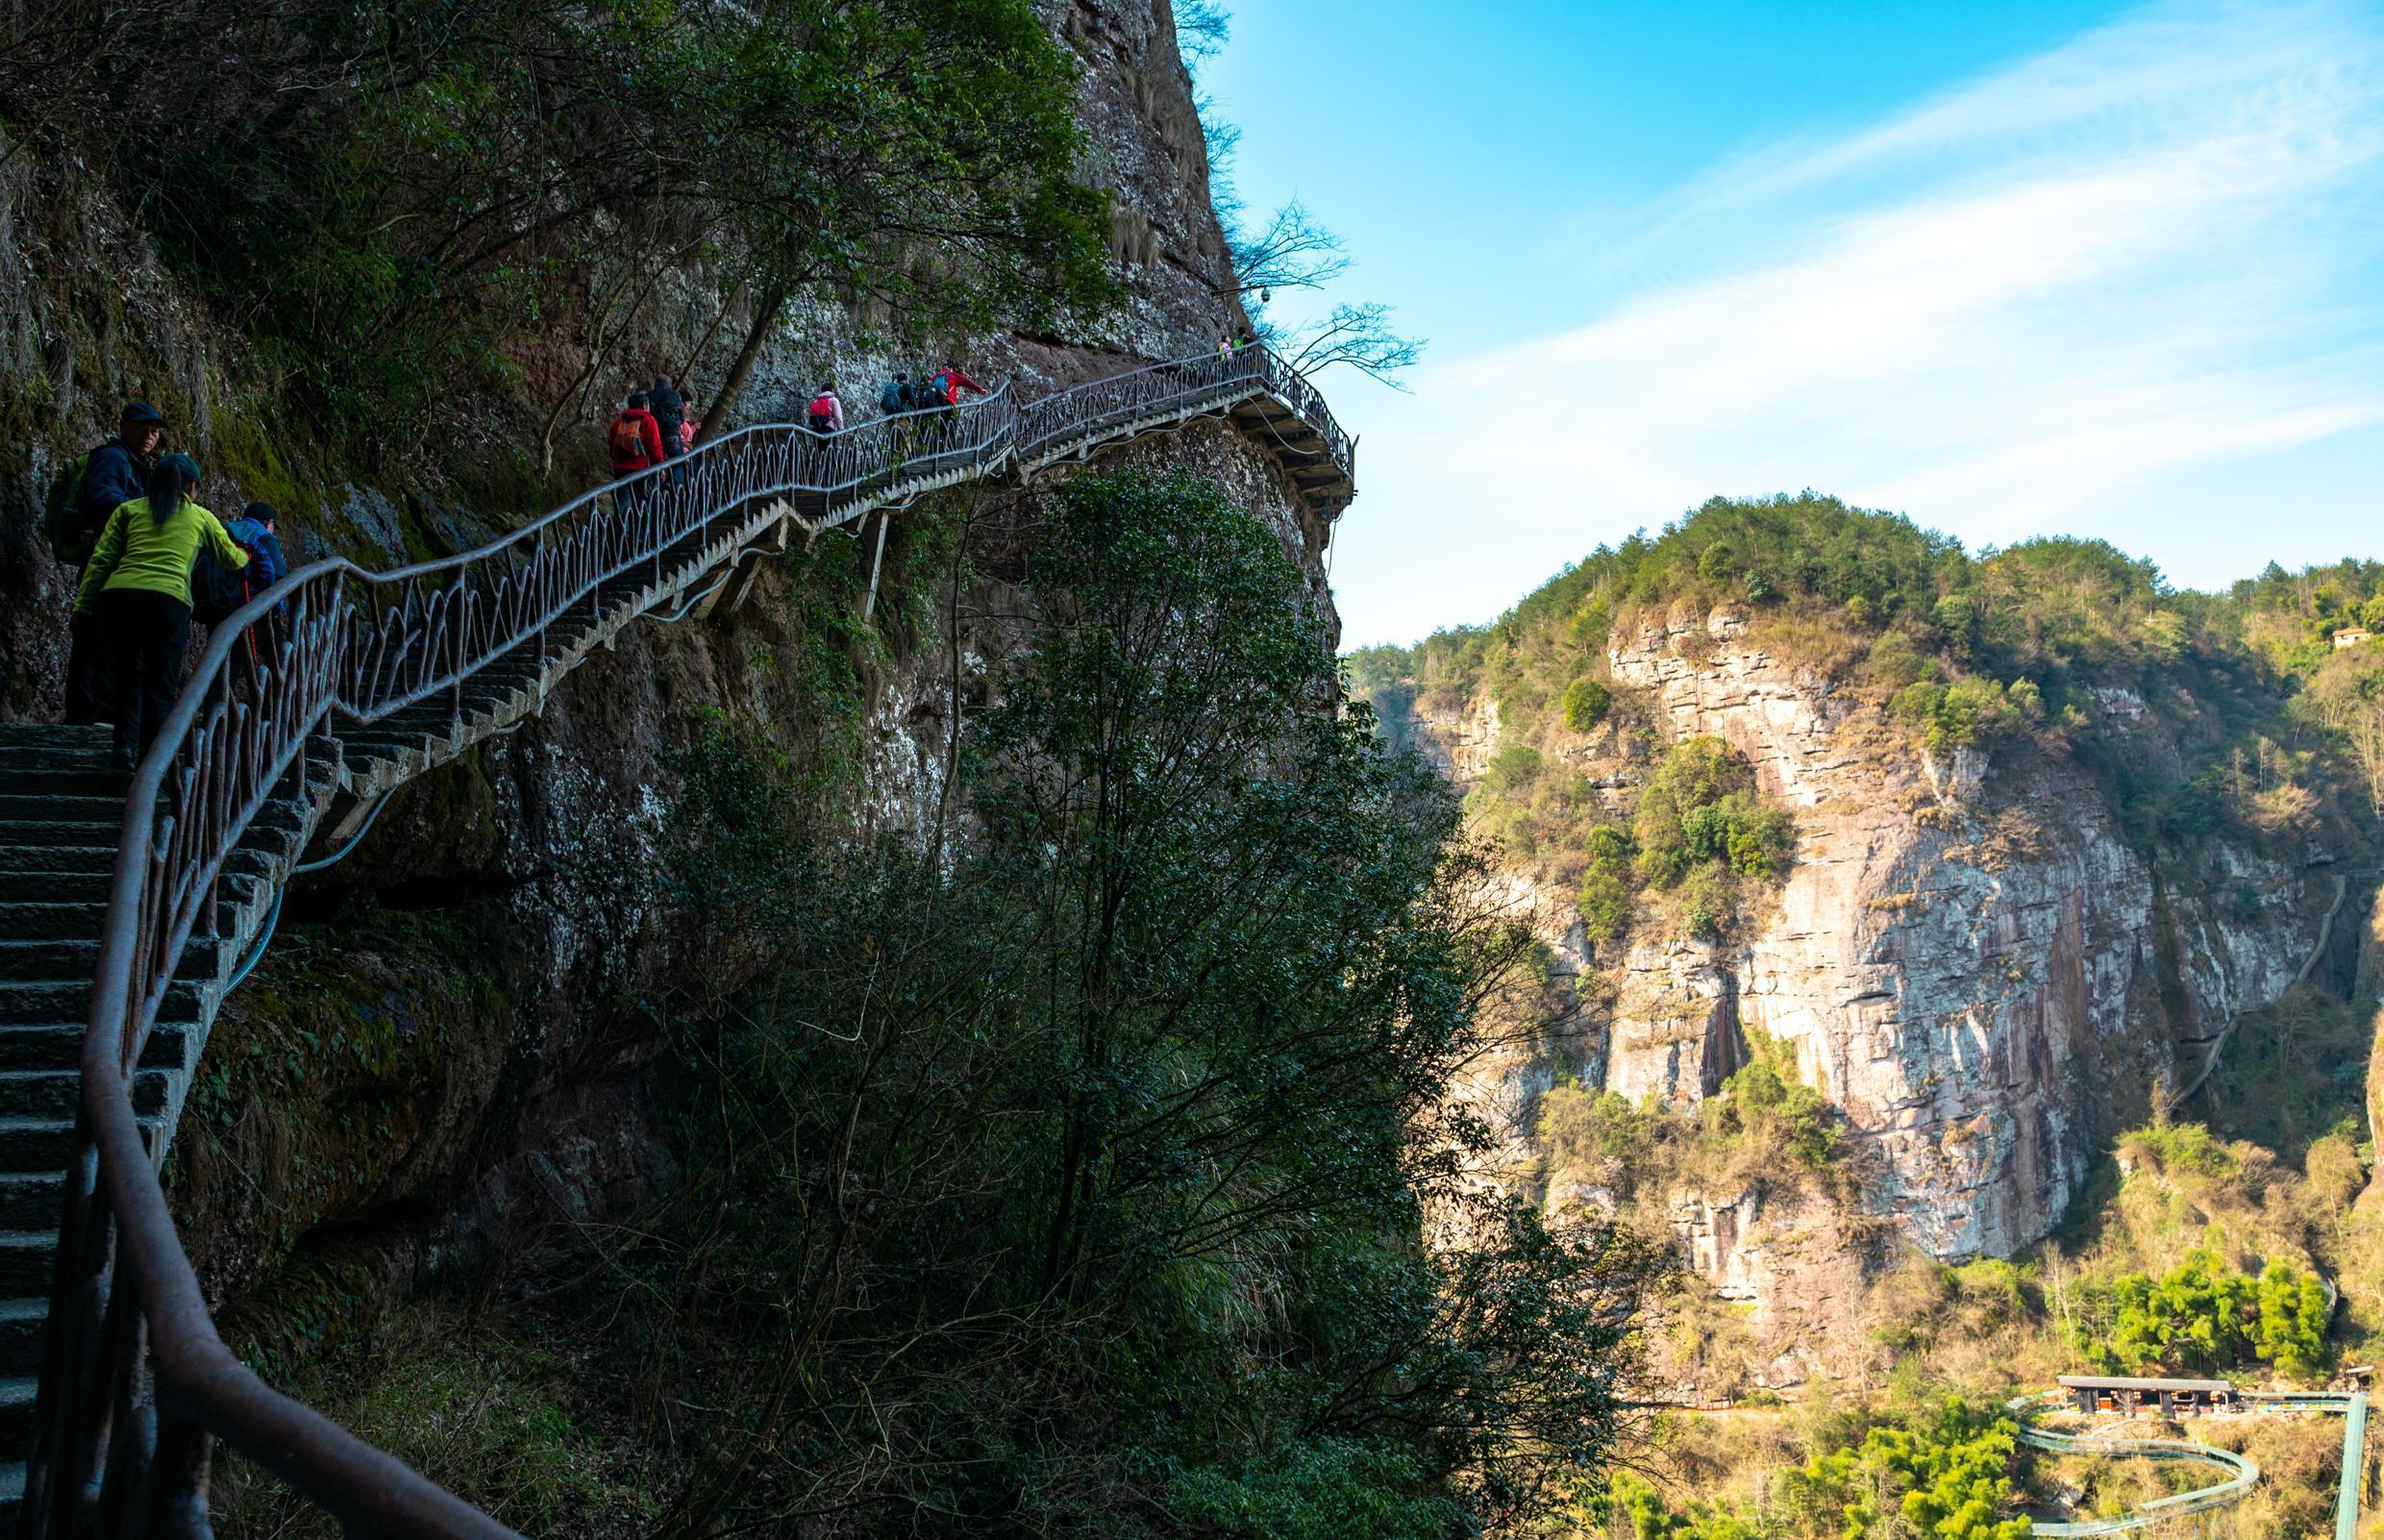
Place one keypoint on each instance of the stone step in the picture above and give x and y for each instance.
(32, 864)
(62, 807)
(30, 1005)
(70, 888)
(48, 781)
(26, 1259)
(49, 959)
(33, 922)
(54, 734)
(29, 1200)
(22, 1323)
(84, 759)
(76, 960)
(49, 1047)
(31, 1144)
(17, 1418)
(58, 1046)
(51, 1092)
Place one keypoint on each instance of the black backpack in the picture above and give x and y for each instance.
(218, 591)
(71, 530)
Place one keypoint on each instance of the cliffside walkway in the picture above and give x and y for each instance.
(2171, 1515)
(127, 915)
(2168, 1512)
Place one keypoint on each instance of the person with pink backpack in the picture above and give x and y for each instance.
(825, 413)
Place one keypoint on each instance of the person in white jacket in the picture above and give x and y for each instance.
(825, 412)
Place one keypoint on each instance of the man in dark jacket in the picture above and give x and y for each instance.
(116, 472)
(670, 410)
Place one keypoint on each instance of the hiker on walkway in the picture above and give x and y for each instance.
(825, 413)
(84, 493)
(138, 583)
(258, 528)
(670, 414)
(635, 443)
(896, 397)
(946, 387)
(635, 438)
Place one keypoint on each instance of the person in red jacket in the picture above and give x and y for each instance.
(636, 440)
(951, 382)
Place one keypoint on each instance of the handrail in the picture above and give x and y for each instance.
(135, 1383)
(2246, 1475)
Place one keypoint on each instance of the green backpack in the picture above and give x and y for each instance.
(63, 522)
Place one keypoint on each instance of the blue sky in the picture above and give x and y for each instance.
(2009, 268)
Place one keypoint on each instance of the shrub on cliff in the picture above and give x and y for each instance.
(1697, 813)
(1586, 702)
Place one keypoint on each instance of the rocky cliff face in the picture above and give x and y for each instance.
(1975, 967)
(1969, 961)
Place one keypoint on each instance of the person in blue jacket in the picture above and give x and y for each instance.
(256, 529)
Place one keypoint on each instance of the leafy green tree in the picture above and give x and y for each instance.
(1949, 1478)
(1586, 701)
(1096, 1156)
(2293, 1312)
(1699, 808)
(1604, 902)
(2204, 1316)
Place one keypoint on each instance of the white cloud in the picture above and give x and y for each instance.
(2005, 310)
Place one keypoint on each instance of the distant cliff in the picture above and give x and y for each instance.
(1983, 956)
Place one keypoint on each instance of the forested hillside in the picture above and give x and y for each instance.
(1883, 883)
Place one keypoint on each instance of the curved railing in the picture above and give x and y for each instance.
(136, 1383)
(2242, 1475)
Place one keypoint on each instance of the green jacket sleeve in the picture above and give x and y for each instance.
(102, 563)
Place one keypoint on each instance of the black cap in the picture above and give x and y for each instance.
(262, 512)
(140, 411)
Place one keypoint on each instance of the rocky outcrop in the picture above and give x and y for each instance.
(1967, 958)
(1671, 1034)
(1457, 744)
(1979, 971)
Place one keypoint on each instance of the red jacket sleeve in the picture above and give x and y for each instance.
(653, 433)
(965, 383)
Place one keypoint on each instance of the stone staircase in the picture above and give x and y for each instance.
(61, 809)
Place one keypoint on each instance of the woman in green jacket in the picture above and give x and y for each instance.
(139, 584)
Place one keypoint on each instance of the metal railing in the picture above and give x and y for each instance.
(2242, 1475)
(1115, 402)
(136, 1383)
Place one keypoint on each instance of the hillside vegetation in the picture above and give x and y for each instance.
(2046, 646)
